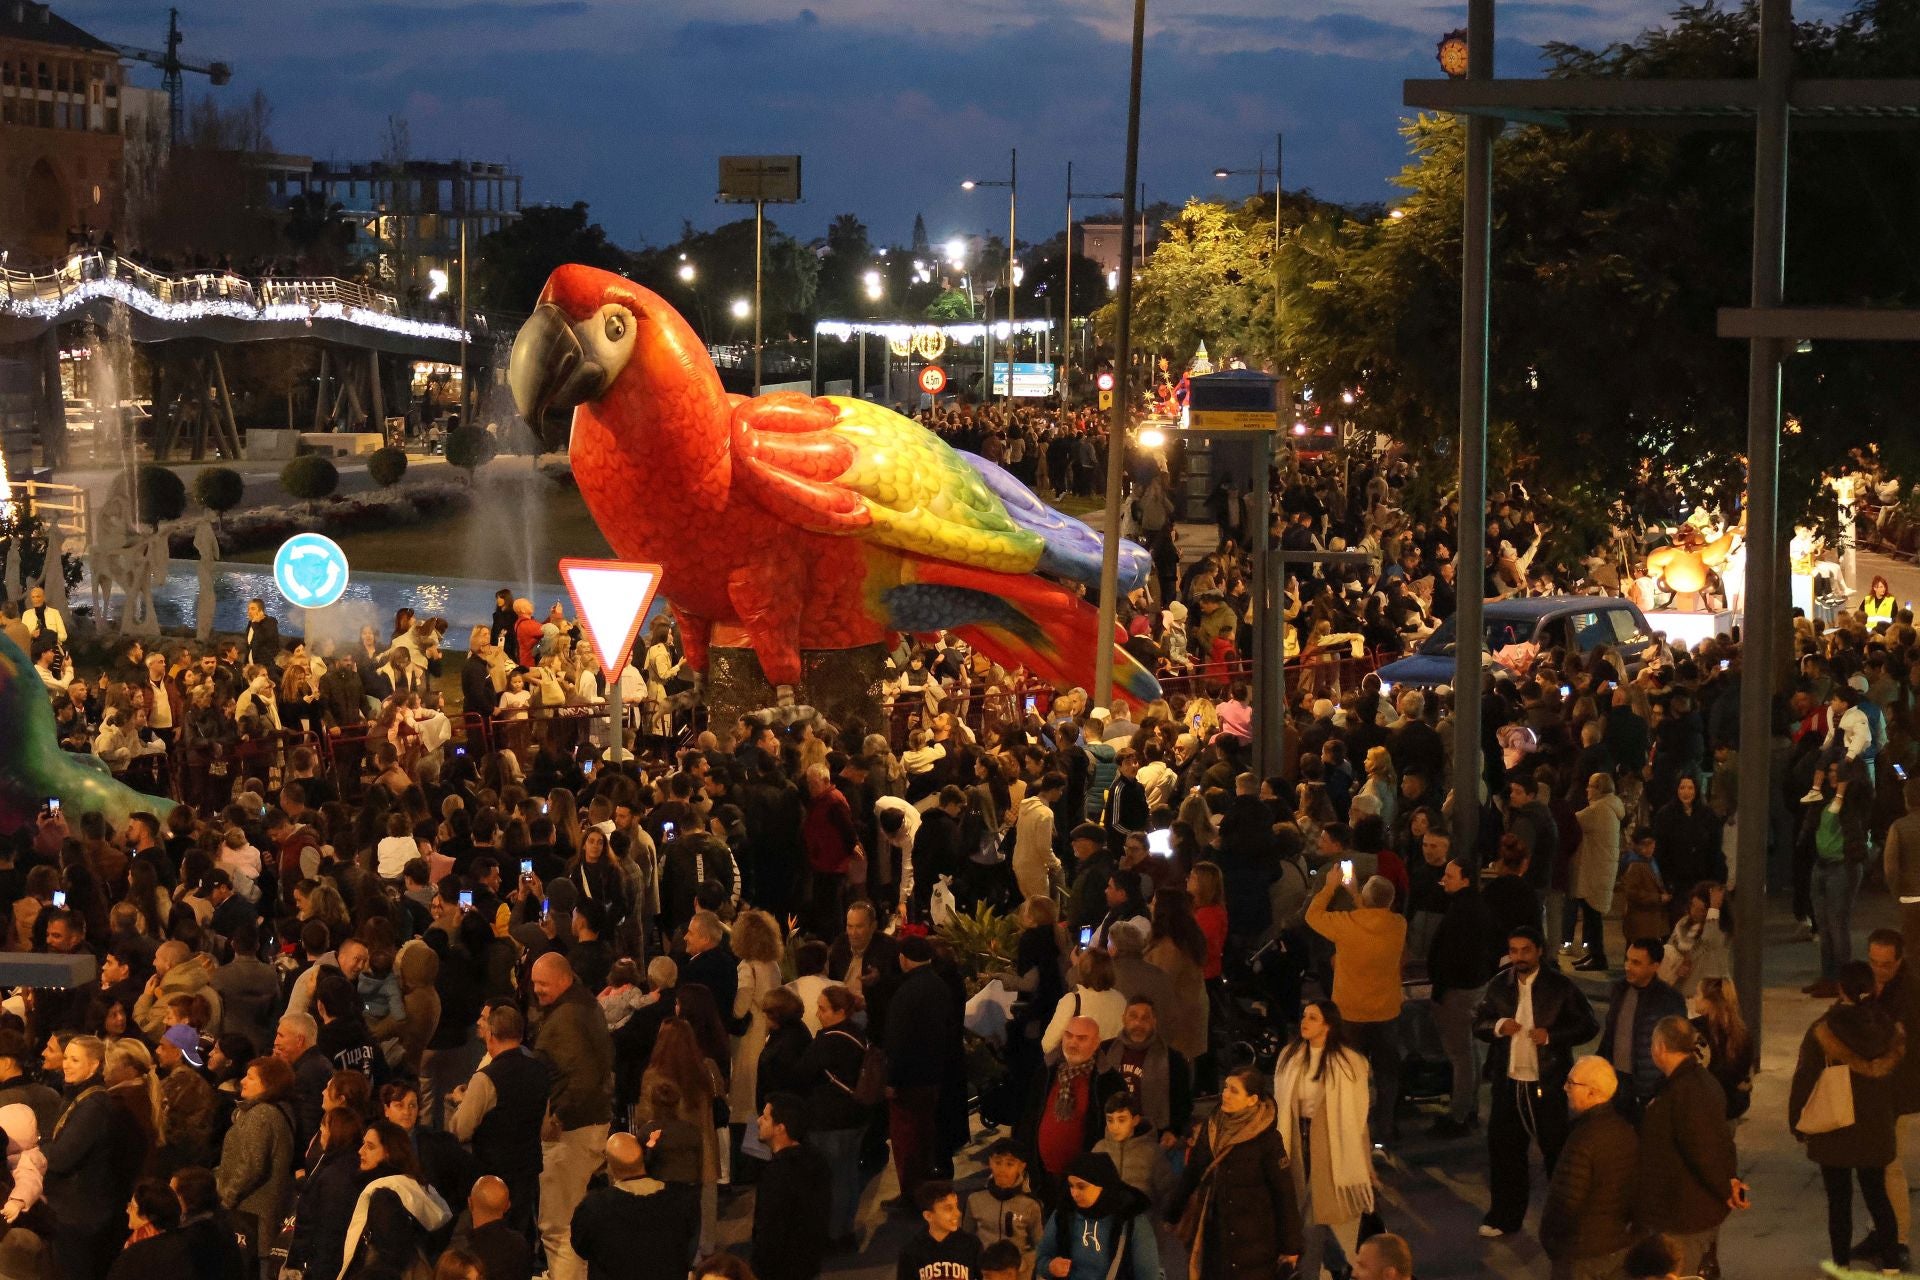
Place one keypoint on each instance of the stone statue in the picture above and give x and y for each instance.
(206, 544)
(11, 586)
(146, 566)
(107, 535)
(53, 574)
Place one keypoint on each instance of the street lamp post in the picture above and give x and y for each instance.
(1270, 715)
(1122, 395)
(1066, 303)
(1012, 184)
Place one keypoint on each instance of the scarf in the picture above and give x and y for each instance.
(423, 1202)
(1063, 1088)
(1224, 1133)
(1343, 1118)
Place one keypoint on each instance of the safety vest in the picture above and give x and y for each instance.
(1879, 612)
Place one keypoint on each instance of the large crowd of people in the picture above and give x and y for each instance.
(409, 976)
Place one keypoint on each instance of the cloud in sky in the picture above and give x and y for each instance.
(626, 103)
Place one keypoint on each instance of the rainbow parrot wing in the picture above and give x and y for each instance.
(834, 465)
(1073, 547)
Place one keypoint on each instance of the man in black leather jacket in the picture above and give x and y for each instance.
(1533, 1018)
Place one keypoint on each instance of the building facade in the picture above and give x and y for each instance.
(61, 147)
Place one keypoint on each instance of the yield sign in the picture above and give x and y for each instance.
(611, 598)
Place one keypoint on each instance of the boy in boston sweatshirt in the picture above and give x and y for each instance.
(943, 1251)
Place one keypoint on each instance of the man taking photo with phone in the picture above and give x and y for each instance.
(1369, 941)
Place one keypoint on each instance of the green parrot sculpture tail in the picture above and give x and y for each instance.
(34, 769)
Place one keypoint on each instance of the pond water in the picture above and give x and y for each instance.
(371, 600)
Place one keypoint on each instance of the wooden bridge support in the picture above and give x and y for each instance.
(191, 402)
(350, 393)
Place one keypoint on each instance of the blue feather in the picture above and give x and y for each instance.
(1072, 548)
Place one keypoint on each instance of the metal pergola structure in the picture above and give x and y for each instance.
(1771, 104)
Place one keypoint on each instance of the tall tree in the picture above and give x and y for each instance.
(849, 256)
(514, 262)
(1613, 252)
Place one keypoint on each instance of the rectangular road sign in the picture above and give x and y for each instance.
(766, 179)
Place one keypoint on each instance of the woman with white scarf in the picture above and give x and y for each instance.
(1320, 1092)
(398, 1220)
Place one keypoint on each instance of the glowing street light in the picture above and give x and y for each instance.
(875, 291)
(1150, 437)
(956, 251)
(438, 279)
(686, 272)
(741, 308)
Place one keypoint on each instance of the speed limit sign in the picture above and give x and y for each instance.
(933, 379)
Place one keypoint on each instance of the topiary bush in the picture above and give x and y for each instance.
(387, 465)
(161, 495)
(219, 489)
(469, 448)
(310, 478)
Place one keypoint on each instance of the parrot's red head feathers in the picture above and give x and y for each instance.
(580, 291)
(600, 340)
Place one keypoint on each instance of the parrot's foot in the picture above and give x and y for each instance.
(788, 713)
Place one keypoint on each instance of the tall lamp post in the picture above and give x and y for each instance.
(1012, 184)
(1066, 303)
(1122, 392)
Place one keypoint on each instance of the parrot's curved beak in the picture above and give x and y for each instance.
(550, 369)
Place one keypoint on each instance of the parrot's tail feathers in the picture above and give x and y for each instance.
(1017, 620)
(1072, 547)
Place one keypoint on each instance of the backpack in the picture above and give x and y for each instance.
(869, 1088)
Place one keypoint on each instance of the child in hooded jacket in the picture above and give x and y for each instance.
(1135, 1150)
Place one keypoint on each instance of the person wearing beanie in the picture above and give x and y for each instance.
(1101, 1227)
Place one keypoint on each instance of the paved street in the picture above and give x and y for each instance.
(1436, 1192)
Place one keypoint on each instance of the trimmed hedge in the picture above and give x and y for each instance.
(387, 465)
(310, 478)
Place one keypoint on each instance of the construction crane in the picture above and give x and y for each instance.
(218, 73)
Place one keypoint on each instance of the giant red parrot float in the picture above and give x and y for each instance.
(810, 523)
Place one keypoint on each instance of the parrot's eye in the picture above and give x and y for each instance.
(616, 326)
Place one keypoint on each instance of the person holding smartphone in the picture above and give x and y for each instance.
(1368, 943)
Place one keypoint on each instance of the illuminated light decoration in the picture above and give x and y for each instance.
(136, 299)
(611, 598)
(893, 331)
(1346, 397)
(311, 570)
(901, 347)
(438, 279)
(929, 344)
(1002, 330)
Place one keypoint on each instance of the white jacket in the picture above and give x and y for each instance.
(25, 1160)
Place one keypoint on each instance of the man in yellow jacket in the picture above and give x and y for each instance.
(1369, 942)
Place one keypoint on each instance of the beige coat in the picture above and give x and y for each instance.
(1597, 860)
(1184, 1022)
(756, 979)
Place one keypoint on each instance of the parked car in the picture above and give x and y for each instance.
(1579, 624)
